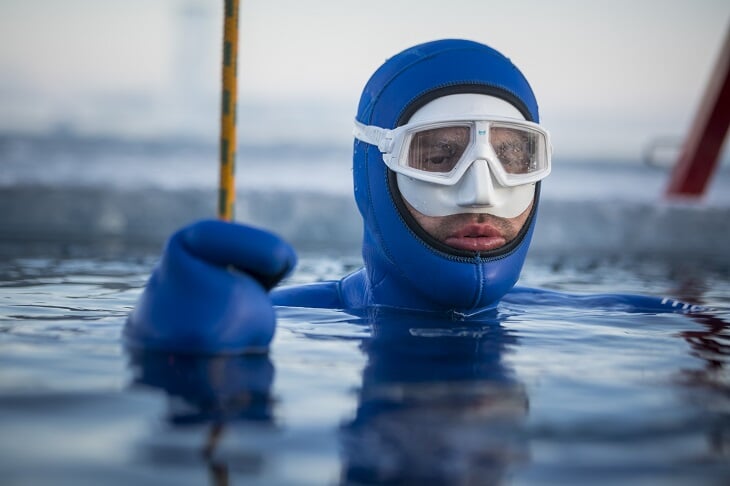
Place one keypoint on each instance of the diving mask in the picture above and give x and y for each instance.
(466, 163)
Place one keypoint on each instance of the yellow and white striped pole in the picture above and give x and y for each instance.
(227, 186)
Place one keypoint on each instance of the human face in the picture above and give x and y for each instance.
(472, 231)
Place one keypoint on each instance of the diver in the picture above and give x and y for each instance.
(448, 160)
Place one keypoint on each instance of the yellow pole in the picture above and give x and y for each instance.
(227, 186)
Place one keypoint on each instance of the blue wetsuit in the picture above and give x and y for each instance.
(210, 292)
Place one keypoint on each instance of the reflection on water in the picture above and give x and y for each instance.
(547, 395)
(708, 386)
(215, 389)
(436, 406)
(210, 390)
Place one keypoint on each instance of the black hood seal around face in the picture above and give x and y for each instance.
(397, 198)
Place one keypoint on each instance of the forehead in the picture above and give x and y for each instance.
(459, 132)
(505, 133)
(465, 105)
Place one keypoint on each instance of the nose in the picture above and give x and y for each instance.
(476, 187)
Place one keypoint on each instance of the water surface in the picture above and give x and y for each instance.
(541, 395)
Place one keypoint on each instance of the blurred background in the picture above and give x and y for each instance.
(109, 111)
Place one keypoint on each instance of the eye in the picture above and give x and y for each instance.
(439, 157)
(514, 158)
(438, 150)
(513, 149)
(440, 154)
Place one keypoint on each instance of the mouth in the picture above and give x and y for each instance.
(476, 237)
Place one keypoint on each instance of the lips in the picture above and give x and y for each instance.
(476, 237)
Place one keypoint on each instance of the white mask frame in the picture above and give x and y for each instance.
(393, 144)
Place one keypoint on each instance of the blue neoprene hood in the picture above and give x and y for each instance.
(403, 266)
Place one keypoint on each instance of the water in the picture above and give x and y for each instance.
(527, 395)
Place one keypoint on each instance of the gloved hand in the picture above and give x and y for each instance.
(209, 293)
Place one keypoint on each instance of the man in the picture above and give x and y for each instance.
(447, 165)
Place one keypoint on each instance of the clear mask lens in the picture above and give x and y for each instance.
(438, 149)
(518, 150)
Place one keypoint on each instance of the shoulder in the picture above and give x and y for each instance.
(318, 294)
(352, 292)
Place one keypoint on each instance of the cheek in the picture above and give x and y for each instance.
(430, 224)
(427, 222)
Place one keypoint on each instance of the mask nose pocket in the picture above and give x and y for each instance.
(476, 187)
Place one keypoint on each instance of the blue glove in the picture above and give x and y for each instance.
(209, 293)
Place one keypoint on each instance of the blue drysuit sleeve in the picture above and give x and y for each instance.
(321, 295)
(624, 302)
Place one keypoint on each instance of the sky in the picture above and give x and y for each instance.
(610, 76)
